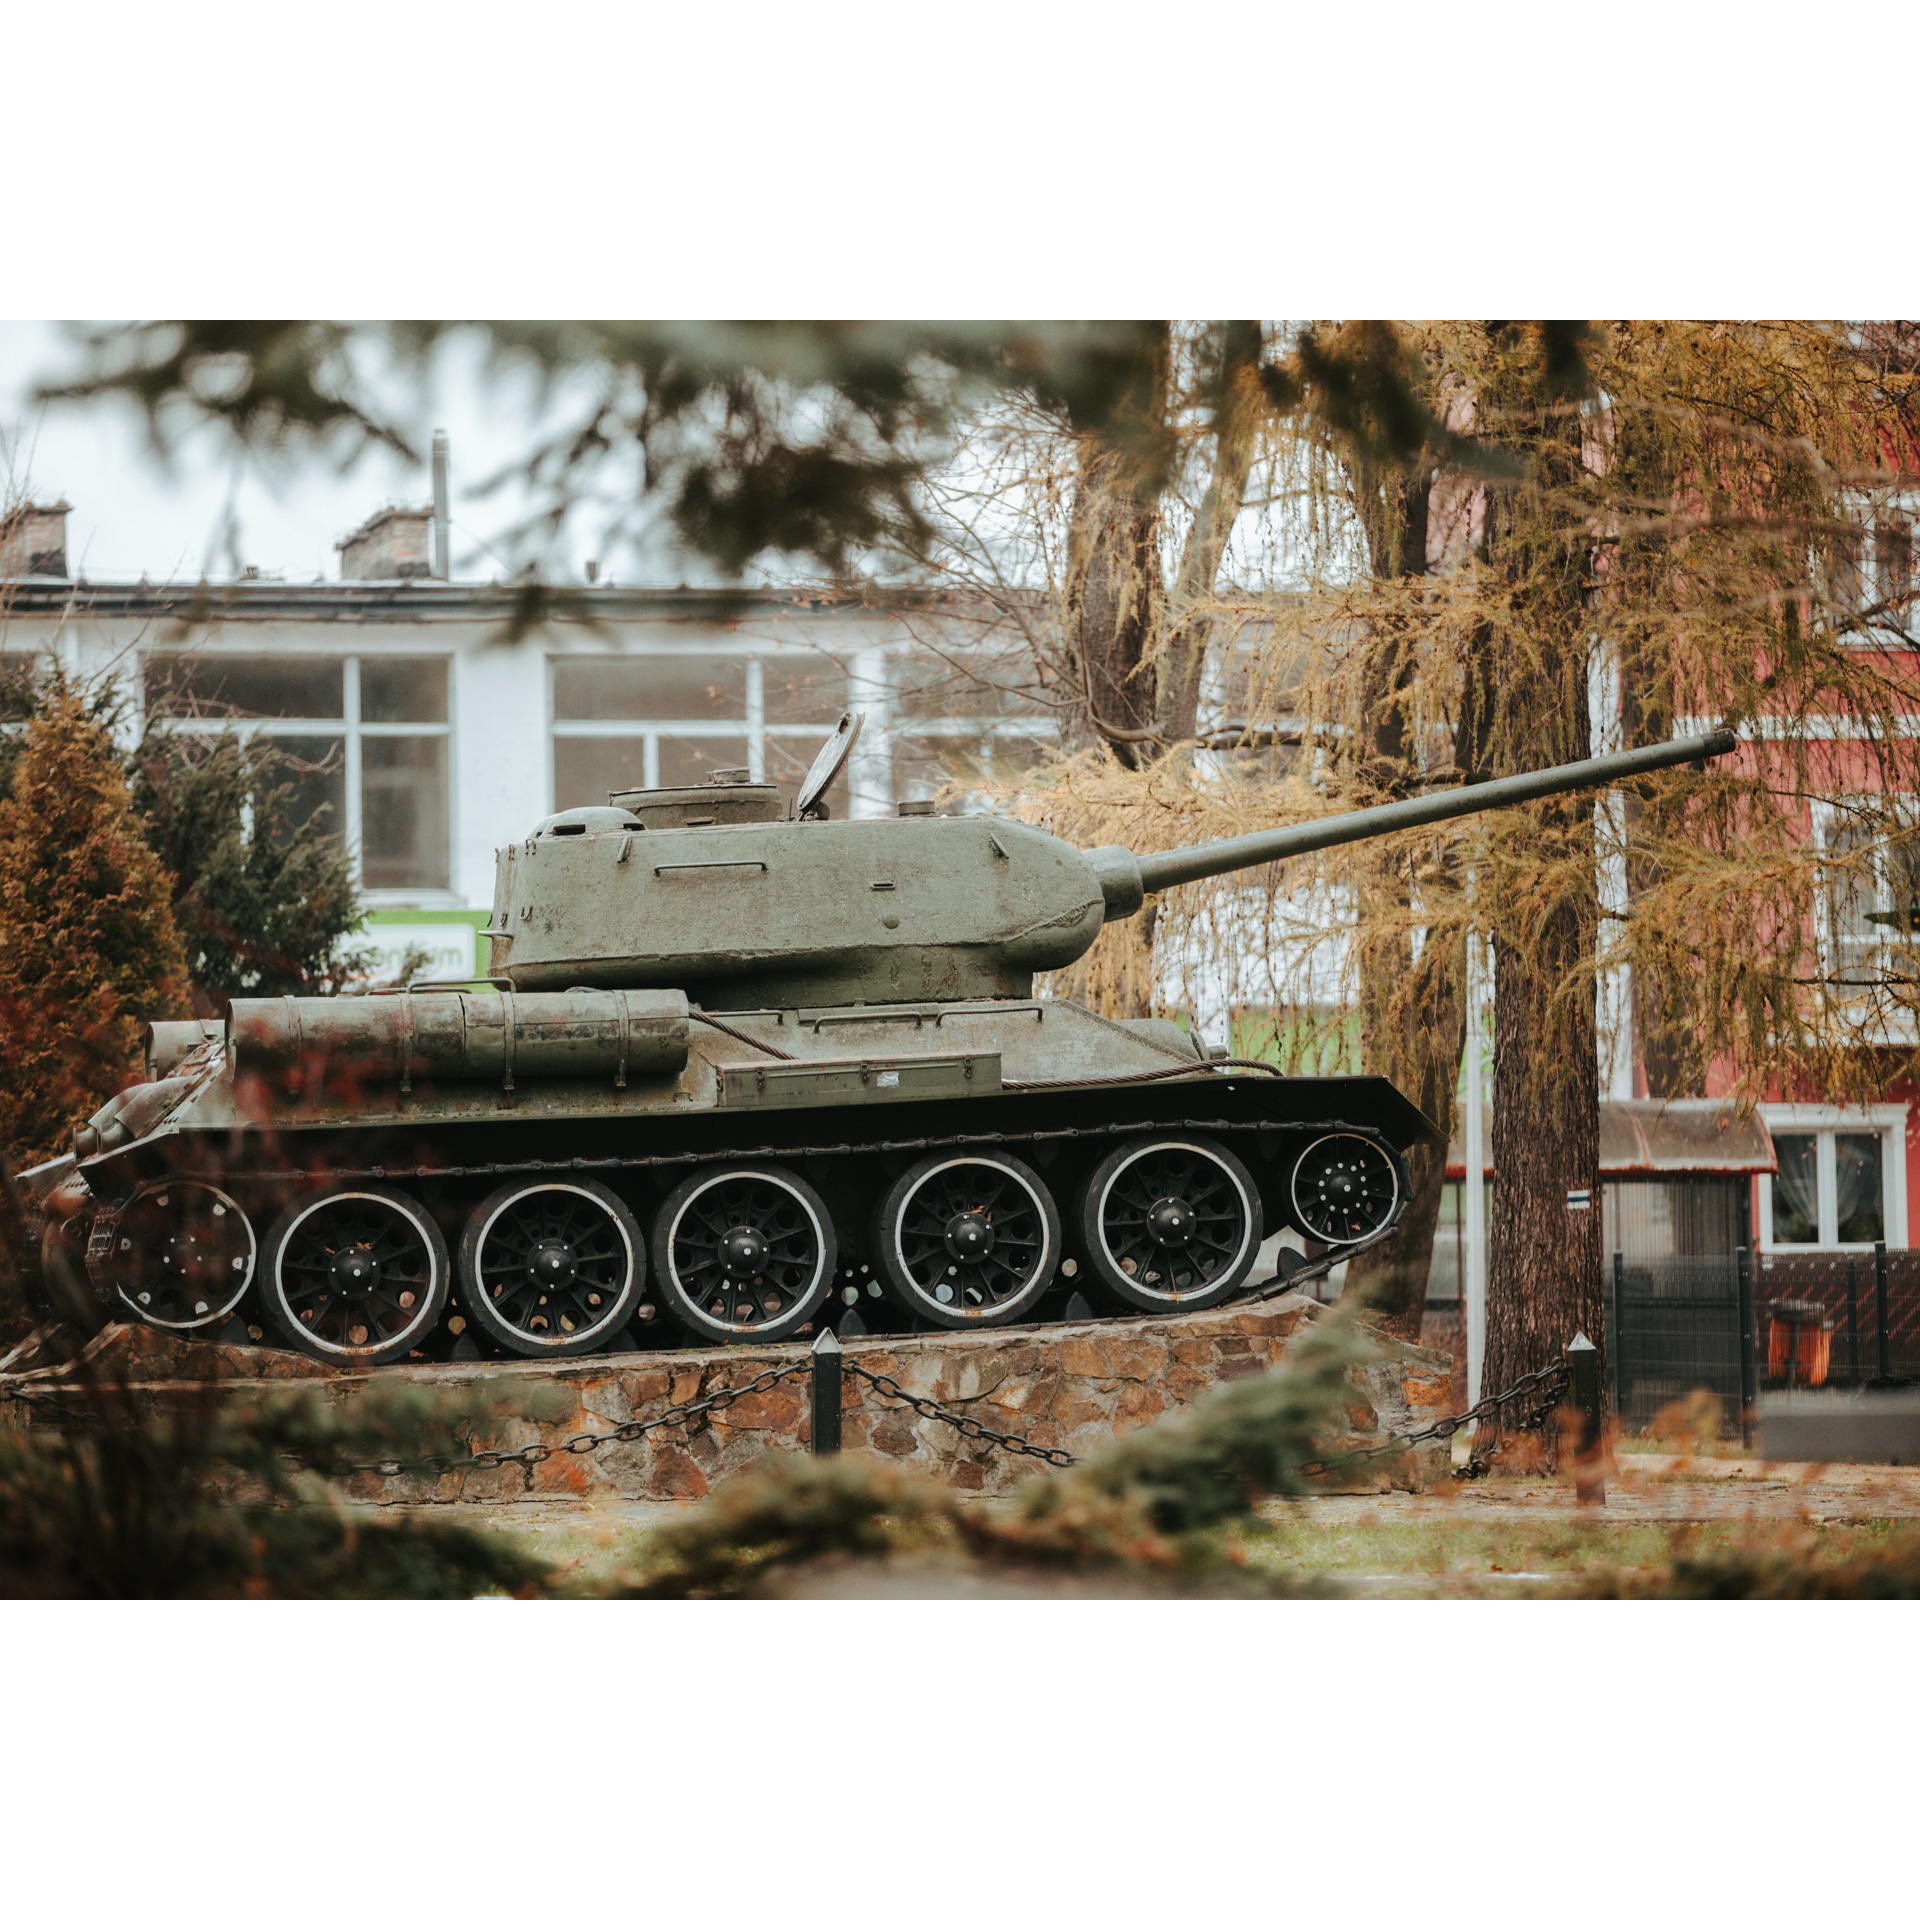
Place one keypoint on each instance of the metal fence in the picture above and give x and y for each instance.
(1848, 1287)
(1674, 1326)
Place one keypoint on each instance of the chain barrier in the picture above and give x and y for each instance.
(964, 1422)
(1547, 1386)
(44, 1405)
(581, 1443)
(394, 1466)
(26, 1398)
(1549, 1382)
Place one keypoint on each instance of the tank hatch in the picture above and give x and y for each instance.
(730, 797)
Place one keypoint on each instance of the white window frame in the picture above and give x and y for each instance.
(10, 660)
(1826, 816)
(350, 730)
(1871, 510)
(869, 688)
(1888, 1121)
(752, 727)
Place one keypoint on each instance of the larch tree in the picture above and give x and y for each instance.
(1649, 528)
(1688, 499)
(1658, 541)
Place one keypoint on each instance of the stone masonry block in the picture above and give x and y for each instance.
(1066, 1386)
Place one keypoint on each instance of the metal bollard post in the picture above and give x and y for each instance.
(1616, 1347)
(826, 1393)
(1880, 1307)
(1853, 1323)
(1589, 1466)
(1743, 1270)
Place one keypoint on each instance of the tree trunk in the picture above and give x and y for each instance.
(1238, 404)
(1422, 1058)
(1542, 883)
(1118, 605)
(1411, 1002)
(1115, 592)
(1543, 1254)
(1117, 600)
(1667, 1051)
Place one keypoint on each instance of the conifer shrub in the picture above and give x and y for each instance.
(263, 897)
(88, 949)
(208, 1496)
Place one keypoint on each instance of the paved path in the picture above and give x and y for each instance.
(1661, 1488)
(1666, 1489)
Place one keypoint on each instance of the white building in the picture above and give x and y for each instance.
(435, 738)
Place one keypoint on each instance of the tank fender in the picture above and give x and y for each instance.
(129, 1115)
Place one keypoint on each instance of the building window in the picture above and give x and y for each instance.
(20, 673)
(1871, 575)
(670, 720)
(367, 738)
(1871, 906)
(967, 721)
(1893, 571)
(1841, 1178)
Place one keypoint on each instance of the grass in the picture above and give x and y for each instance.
(1391, 1547)
(1419, 1549)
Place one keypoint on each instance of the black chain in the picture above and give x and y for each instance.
(581, 1443)
(1549, 1382)
(965, 1422)
(26, 1397)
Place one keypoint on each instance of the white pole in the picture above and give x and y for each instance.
(443, 514)
(1475, 1194)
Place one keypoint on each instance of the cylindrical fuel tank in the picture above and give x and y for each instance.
(468, 1036)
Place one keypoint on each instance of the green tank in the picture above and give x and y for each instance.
(735, 1069)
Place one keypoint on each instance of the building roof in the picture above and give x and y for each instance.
(404, 601)
(1654, 1137)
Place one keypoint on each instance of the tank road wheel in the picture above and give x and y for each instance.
(552, 1266)
(178, 1252)
(1344, 1188)
(967, 1239)
(1169, 1225)
(65, 1277)
(743, 1253)
(356, 1276)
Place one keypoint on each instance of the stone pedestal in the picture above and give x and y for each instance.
(1078, 1385)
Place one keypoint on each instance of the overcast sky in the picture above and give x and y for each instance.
(136, 513)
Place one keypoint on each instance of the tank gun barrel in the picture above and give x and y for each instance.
(1158, 871)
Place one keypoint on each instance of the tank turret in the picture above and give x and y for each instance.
(749, 1066)
(723, 898)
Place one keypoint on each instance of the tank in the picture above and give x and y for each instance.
(736, 1070)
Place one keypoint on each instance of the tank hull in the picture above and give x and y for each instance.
(841, 1101)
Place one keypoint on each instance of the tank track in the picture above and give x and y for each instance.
(455, 1193)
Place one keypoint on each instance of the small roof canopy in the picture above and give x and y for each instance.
(1653, 1136)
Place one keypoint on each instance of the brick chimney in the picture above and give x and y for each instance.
(391, 546)
(33, 540)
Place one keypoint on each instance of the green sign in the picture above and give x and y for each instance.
(449, 937)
